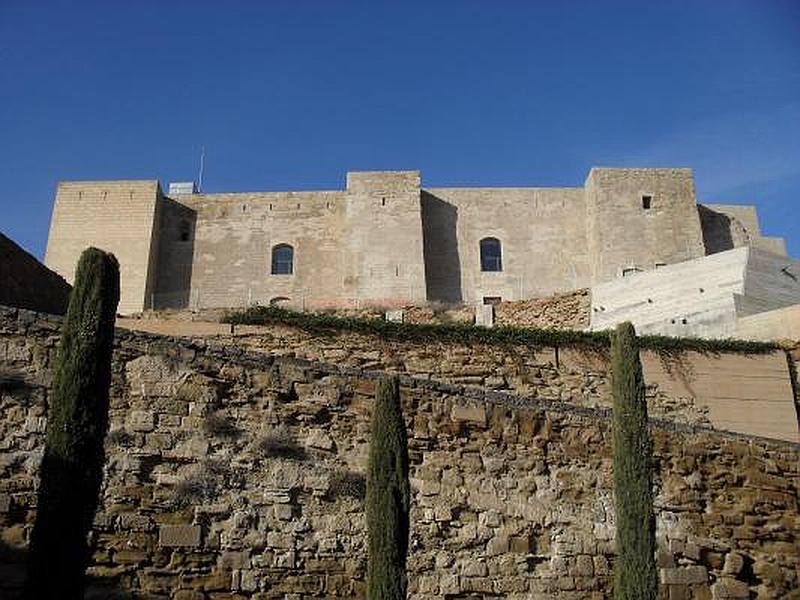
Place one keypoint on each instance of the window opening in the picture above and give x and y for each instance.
(491, 254)
(282, 260)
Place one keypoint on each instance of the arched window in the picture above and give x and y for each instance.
(282, 259)
(491, 255)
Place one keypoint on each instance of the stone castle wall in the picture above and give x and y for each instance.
(623, 234)
(542, 232)
(240, 475)
(384, 240)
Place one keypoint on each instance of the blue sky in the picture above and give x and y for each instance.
(292, 94)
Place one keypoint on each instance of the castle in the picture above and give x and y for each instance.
(386, 240)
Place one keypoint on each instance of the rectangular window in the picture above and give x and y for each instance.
(493, 300)
(647, 201)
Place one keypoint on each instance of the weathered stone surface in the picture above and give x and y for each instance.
(471, 413)
(515, 502)
(729, 589)
(684, 575)
(179, 535)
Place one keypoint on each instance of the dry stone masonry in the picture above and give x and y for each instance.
(233, 473)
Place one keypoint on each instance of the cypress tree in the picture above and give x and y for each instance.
(388, 497)
(635, 575)
(77, 421)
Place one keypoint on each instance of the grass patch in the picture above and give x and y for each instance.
(218, 425)
(347, 484)
(202, 486)
(278, 442)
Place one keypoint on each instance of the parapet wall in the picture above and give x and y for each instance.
(239, 474)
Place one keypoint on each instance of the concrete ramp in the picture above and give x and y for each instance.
(704, 297)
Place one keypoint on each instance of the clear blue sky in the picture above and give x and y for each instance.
(292, 94)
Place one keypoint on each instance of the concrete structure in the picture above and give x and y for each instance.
(778, 324)
(385, 240)
(703, 297)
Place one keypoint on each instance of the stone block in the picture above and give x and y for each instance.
(521, 544)
(141, 420)
(474, 568)
(684, 575)
(179, 536)
(395, 316)
(497, 545)
(320, 440)
(484, 315)
(481, 585)
(276, 539)
(584, 566)
(734, 562)
(601, 565)
(283, 512)
(727, 588)
(134, 522)
(449, 584)
(472, 413)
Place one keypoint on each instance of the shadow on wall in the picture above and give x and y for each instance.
(176, 254)
(13, 568)
(717, 235)
(27, 283)
(440, 248)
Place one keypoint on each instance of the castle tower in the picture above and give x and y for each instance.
(640, 219)
(115, 216)
(384, 238)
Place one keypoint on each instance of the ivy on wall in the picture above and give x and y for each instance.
(466, 333)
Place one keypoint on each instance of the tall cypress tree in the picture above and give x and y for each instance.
(77, 420)
(635, 575)
(388, 497)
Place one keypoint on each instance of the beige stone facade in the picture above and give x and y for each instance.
(385, 240)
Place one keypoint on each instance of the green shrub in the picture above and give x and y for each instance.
(466, 333)
(635, 576)
(72, 466)
(388, 497)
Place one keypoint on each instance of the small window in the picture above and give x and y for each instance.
(660, 264)
(492, 300)
(647, 201)
(491, 255)
(282, 260)
(627, 272)
(184, 231)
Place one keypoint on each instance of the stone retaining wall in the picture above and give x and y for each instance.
(744, 393)
(233, 474)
